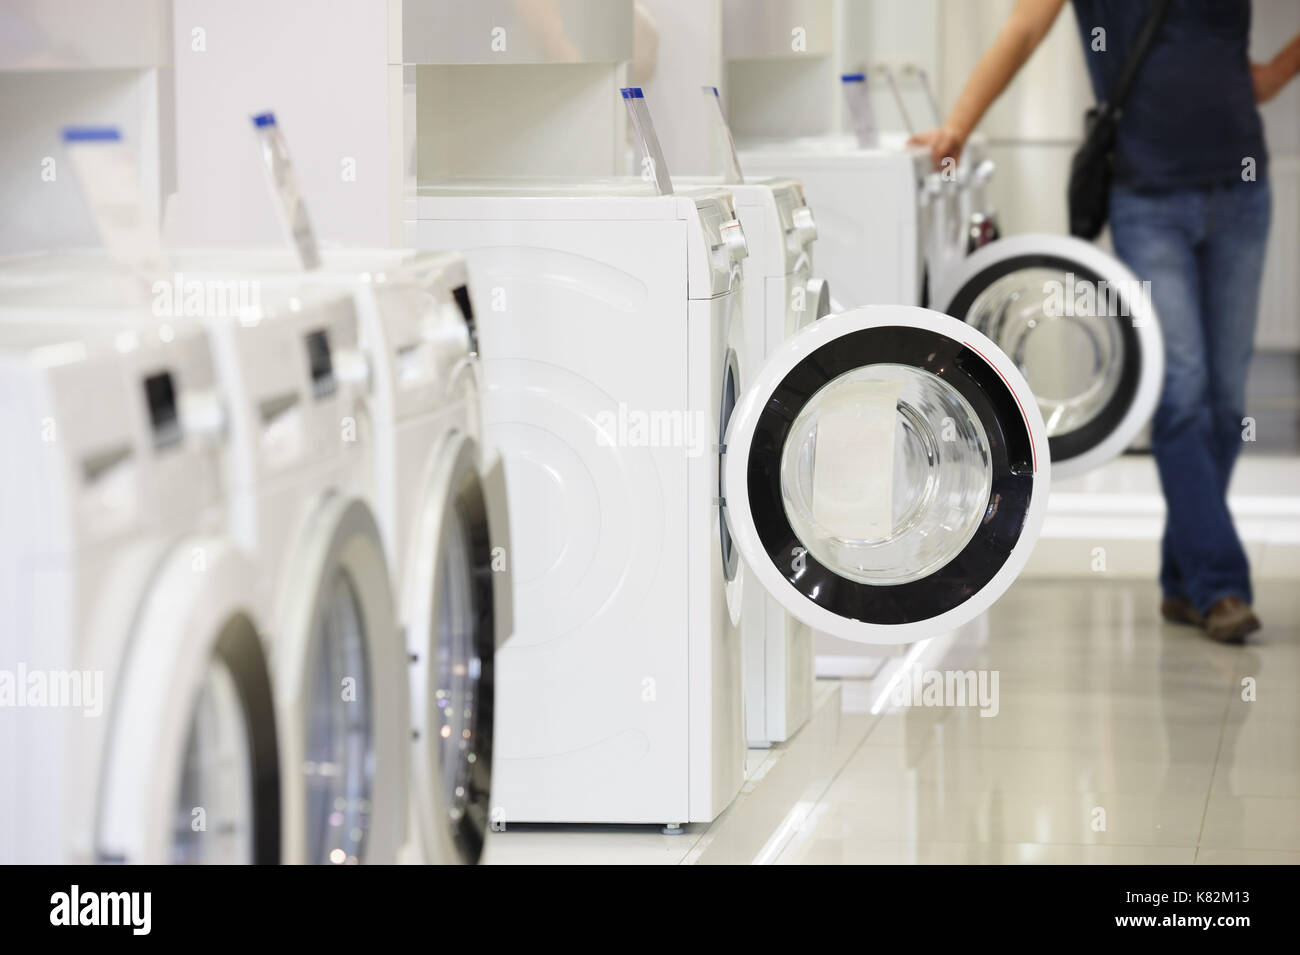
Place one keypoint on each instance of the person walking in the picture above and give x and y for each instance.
(1189, 213)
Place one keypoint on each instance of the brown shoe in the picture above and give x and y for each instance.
(1180, 610)
(1230, 620)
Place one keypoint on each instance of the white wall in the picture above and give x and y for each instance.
(1034, 128)
(78, 62)
(1275, 22)
(689, 57)
(322, 68)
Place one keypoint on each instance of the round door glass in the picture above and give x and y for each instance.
(340, 731)
(458, 665)
(214, 818)
(1071, 351)
(886, 473)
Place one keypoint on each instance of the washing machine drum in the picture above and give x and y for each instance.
(885, 474)
(1081, 329)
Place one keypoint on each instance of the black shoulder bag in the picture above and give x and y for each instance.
(1091, 169)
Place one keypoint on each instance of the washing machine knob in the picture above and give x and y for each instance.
(734, 238)
(804, 224)
(352, 367)
(202, 413)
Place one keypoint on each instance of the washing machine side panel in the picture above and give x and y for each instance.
(717, 729)
(866, 221)
(790, 677)
(773, 693)
(753, 649)
(44, 584)
(766, 259)
(583, 336)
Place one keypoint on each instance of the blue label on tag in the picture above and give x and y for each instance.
(84, 134)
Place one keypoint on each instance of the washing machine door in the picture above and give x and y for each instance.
(728, 386)
(453, 626)
(886, 474)
(343, 699)
(1081, 329)
(819, 297)
(191, 770)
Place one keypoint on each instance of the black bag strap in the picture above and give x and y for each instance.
(1128, 72)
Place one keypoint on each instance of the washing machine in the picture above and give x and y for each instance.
(875, 212)
(783, 295)
(440, 506)
(296, 386)
(1081, 328)
(979, 213)
(142, 727)
(294, 399)
(613, 375)
(611, 327)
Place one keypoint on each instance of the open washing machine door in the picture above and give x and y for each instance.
(886, 474)
(454, 595)
(343, 695)
(1082, 330)
(204, 788)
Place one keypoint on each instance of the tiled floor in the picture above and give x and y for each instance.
(1117, 739)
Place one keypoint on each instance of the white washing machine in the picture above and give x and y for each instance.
(144, 728)
(440, 505)
(610, 319)
(1081, 328)
(294, 391)
(782, 295)
(415, 430)
(452, 542)
(296, 388)
(874, 213)
(612, 378)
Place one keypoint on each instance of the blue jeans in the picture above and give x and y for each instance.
(1202, 250)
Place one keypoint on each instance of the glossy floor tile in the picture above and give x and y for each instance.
(1098, 735)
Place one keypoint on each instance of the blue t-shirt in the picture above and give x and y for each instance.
(1190, 119)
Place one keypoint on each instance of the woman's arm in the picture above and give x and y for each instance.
(1270, 77)
(1016, 41)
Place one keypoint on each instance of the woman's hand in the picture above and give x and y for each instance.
(943, 143)
(1269, 79)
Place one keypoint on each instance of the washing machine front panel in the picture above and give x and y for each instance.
(341, 676)
(191, 772)
(885, 474)
(1080, 327)
(452, 634)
